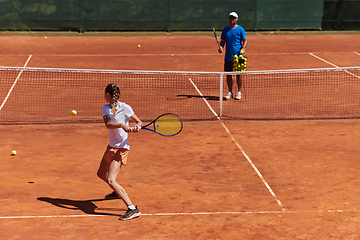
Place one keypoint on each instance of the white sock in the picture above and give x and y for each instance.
(131, 207)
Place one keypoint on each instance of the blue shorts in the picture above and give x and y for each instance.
(228, 66)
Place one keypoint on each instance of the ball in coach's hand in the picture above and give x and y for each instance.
(74, 112)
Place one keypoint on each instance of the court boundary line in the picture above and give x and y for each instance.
(168, 54)
(12, 87)
(241, 149)
(178, 214)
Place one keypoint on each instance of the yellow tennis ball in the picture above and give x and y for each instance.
(13, 152)
(45, 37)
(242, 52)
(73, 112)
(138, 46)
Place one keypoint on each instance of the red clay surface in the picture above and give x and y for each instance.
(199, 184)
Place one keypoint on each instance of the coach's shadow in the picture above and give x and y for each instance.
(209, 98)
(87, 206)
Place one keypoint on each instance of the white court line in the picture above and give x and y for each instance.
(333, 64)
(12, 87)
(169, 54)
(202, 96)
(357, 53)
(181, 214)
(324, 60)
(241, 149)
(255, 168)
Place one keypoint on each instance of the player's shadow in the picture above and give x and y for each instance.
(87, 206)
(209, 98)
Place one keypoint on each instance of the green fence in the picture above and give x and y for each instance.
(158, 15)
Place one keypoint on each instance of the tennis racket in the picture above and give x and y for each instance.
(216, 37)
(168, 124)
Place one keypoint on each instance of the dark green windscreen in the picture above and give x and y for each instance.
(160, 15)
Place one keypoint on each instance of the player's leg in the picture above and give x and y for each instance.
(132, 212)
(229, 82)
(239, 84)
(103, 170)
(114, 170)
(228, 67)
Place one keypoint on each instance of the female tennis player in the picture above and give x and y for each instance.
(116, 117)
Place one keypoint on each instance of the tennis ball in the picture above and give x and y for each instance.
(242, 52)
(13, 153)
(45, 37)
(73, 112)
(138, 46)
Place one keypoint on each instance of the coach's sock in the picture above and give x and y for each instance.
(131, 207)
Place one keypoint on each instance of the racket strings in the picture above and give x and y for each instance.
(168, 125)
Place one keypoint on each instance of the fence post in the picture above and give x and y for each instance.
(256, 2)
(168, 20)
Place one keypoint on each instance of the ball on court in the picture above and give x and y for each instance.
(13, 153)
(139, 46)
(74, 112)
(45, 37)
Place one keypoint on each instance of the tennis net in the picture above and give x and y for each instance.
(47, 96)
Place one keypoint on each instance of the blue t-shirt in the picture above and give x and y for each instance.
(233, 38)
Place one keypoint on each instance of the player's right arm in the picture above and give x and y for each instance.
(222, 44)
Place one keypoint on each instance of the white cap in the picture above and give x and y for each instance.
(234, 14)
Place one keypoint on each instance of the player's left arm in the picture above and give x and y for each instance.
(243, 45)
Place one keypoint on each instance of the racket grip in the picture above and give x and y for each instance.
(135, 128)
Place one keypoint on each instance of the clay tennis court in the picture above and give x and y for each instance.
(220, 179)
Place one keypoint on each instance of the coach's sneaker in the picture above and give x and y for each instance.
(228, 96)
(238, 96)
(130, 214)
(112, 195)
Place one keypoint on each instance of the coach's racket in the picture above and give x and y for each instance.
(216, 37)
(168, 124)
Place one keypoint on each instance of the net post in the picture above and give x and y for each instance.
(221, 94)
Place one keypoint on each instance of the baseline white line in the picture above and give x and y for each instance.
(179, 214)
(12, 87)
(241, 149)
(357, 53)
(168, 54)
(333, 65)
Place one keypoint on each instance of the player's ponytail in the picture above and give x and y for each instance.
(114, 91)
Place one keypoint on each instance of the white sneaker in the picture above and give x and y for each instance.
(238, 96)
(228, 96)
